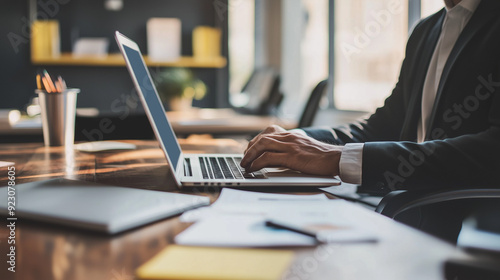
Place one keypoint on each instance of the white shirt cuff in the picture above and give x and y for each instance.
(350, 164)
(299, 131)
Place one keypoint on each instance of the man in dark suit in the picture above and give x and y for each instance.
(439, 128)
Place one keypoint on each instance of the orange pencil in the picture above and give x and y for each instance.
(49, 81)
(46, 85)
(38, 81)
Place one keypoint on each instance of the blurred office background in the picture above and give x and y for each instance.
(357, 44)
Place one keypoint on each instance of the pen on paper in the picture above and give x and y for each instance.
(280, 225)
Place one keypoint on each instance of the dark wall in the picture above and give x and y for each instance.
(101, 87)
(16, 72)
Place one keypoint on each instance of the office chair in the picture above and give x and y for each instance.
(312, 106)
(438, 212)
(479, 231)
(263, 90)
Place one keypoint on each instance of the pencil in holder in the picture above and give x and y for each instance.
(58, 110)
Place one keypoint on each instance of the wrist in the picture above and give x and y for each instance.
(335, 156)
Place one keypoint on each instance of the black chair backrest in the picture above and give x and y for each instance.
(312, 106)
(263, 90)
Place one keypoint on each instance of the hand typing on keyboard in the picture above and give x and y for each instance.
(226, 168)
(276, 147)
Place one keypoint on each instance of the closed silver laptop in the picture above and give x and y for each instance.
(92, 206)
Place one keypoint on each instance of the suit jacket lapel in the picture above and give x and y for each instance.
(484, 12)
(409, 131)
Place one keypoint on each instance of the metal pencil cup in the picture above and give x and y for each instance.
(58, 112)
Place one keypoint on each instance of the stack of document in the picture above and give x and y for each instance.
(238, 219)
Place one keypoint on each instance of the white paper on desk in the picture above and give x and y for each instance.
(6, 163)
(98, 146)
(330, 218)
(238, 218)
(239, 231)
(245, 202)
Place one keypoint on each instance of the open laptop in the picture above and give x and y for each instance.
(205, 169)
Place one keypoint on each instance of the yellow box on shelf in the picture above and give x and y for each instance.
(206, 42)
(45, 39)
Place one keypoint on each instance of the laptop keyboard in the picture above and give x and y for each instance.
(226, 168)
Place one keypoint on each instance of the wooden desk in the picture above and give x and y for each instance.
(52, 252)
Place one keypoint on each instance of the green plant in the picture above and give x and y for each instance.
(174, 83)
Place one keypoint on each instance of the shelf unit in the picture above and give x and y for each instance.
(116, 59)
(87, 71)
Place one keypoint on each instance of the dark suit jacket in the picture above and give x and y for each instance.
(463, 140)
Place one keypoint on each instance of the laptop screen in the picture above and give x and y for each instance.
(165, 132)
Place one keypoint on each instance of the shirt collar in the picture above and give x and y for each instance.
(469, 5)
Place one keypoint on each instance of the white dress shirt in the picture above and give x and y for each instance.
(351, 160)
